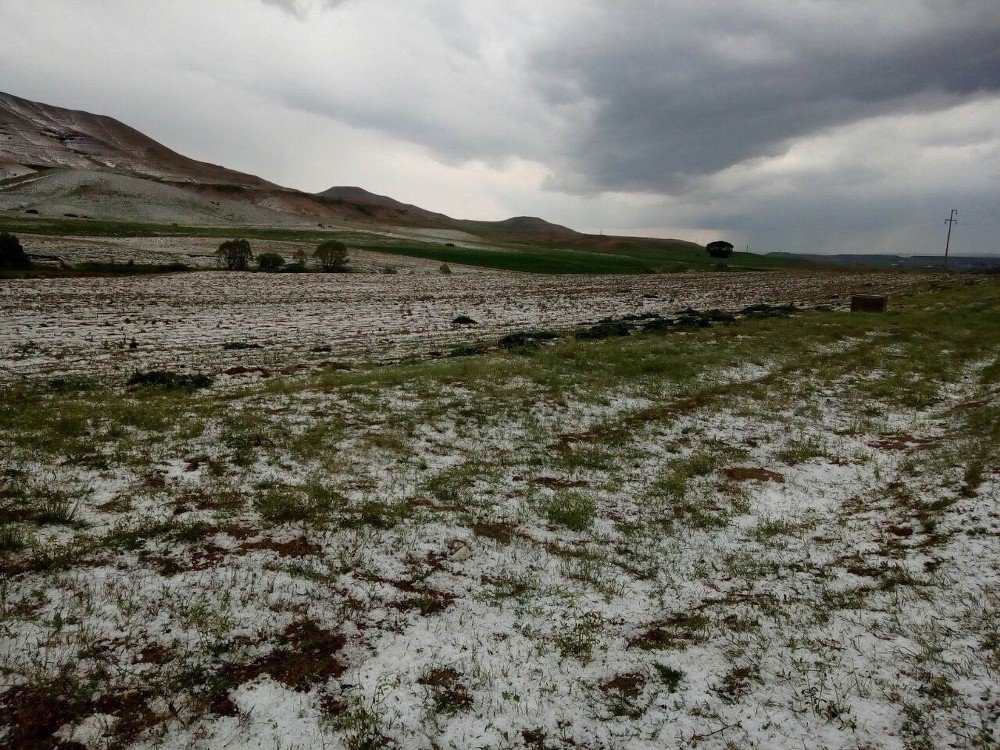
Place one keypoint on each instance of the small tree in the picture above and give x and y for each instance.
(720, 249)
(11, 252)
(235, 254)
(332, 255)
(269, 262)
(301, 257)
(445, 269)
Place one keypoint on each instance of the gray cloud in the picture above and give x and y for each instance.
(685, 90)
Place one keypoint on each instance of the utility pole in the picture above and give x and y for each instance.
(950, 221)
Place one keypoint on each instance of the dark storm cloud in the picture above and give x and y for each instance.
(683, 90)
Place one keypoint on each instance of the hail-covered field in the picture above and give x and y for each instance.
(213, 322)
(778, 529)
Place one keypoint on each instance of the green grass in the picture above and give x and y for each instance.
(545, 258)
(570, 509)
(530, 261)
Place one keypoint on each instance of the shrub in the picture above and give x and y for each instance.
(525, 339)
(607, 328)
(269, 262)
(332, 256)
(235, 254)
(445, 269)
(11, 251)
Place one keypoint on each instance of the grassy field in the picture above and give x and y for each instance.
(775, 533)
(512, 253)
(550, 259)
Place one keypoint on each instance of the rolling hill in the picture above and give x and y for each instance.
(61, 162)
(84, 171)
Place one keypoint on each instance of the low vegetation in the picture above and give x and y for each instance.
(780, 530)
(332, 256)
(269, 262)
(12, 254)
(235, 255)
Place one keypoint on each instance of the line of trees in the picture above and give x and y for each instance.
(237, 255)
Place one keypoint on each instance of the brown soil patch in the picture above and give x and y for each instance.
(558, 483)
(240, 532)
(450, 695)
(154, 653)
(498, 532)
(300, 547)
(427, 601)
(207, 557)
(745, 473)
(306, 655)
(33, 714)
(629, 684)
(677, 631)
(899, 441)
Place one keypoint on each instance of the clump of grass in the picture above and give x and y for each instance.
(507, 584)
(801, 451)
(378, 515)
(671, 497)
(245, 435)
(578, 638)
(670, 677)
(12, 539)
(607, 328)
(448, 694)
(973, 475)
(773, 527)
(451, 486)
(54, 506)
(573, 510)
(282, 503)
(362, 725)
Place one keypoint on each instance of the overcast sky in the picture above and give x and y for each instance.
(839, 126)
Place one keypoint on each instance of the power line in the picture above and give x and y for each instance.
(950, 221)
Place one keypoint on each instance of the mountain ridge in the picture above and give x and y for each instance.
(58, 162)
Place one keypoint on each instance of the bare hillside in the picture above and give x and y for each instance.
(35, 135)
